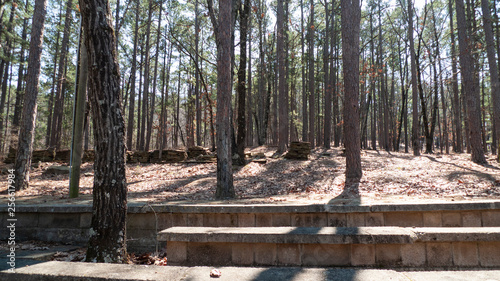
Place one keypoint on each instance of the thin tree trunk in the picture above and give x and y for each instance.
(283, 95)
(131, 109)
(471, 92)
(495, 82)
(415, 127)
(312, 111)
(241, 89)
(28, 117)
(57, 118)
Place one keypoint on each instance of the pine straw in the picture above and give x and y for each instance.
(386, 176)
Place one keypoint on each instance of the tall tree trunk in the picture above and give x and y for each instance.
(351, 17)
(57, 118)
(283, 95)
(305, 119)
(145, 128)
(107, 241)
(454, 81)
(28, 117)
(495, 82)
(222, 27)
(53, 88)
(415, 139)
(328, 86)
(155, 73)
(18, 107)
(197, 77)
(312, 111)
(249, 125)
(5, 80)
(131, 109)
(471, 92)
(241, 89)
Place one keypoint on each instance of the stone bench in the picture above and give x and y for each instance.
(333, 246)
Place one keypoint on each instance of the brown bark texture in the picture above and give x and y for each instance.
(470, 88)
(107, 241)
(28, 117)
(351, 16)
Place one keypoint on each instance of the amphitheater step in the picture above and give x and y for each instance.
(333, 246)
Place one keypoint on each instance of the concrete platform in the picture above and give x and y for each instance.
(66, 271)
(382, 247)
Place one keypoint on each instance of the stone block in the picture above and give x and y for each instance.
(195, 219)
(246, 220)
(388, 255)
(439, 254)
(489, 254)
(491, 218)
(178, 219)
(309, 220)
(85, 220)
(281, 219)
(242, 253)
(465, 254)
(374, 219)
(471, 219)
(413, 255)
(58, 220)
(141, 221)
(26, 220)
(355, 219)
(164, 220)
(288, 254)
(325, 255)
(362, 255)
(432, 219)
(220, 220)
(337, 220)
(262, 220)
(452, 219)
(176, 252)
(213, 254)
(265, 254)
(404, 219)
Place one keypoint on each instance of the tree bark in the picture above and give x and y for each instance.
(471, 91)
(351, 16)
(28, 117)
(282, 93)
(131, 109)
(312, 111)
(415, 139)
(57, 118)
(107, 241)
(495, 82)
(241, 88)
(222, 27)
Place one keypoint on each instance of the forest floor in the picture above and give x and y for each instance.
(387, 177)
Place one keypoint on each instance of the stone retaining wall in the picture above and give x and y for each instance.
(70, 223)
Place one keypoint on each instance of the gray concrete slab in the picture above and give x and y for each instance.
(454, 275)
(72, 271)
(67, 271)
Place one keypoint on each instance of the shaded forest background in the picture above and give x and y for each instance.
(167, 59)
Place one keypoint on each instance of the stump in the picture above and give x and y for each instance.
(299, 151)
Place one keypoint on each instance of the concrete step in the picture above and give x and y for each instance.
(78, 271)
(70, 222)
(333, 246)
